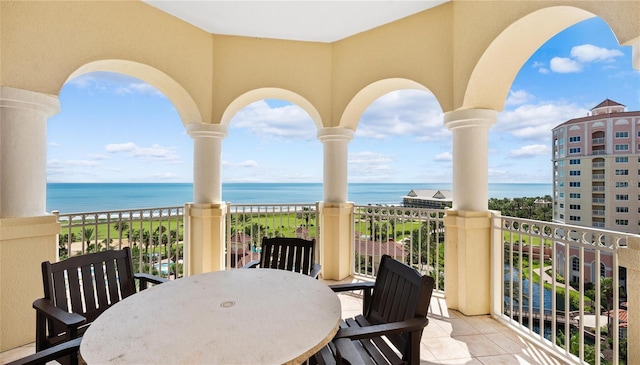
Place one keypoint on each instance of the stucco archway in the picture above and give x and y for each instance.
(363, 99)
(186, 107)
(270, 93)
(488, 89)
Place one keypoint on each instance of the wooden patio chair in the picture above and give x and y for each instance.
(285, 253)
(390, 327)
(77, 290)
(68, 348)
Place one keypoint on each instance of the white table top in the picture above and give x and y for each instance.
(243, 316)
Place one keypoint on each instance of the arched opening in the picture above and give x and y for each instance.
(114, 128)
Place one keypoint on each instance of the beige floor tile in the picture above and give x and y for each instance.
(461, 327)
(480, 345)
(502, 360)
(447, 348)
(465, 361)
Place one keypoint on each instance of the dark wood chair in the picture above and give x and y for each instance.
(77, 290)
(68, 348)
(285, 253)
(394, 308)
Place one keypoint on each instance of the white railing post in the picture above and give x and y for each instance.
(630, 259)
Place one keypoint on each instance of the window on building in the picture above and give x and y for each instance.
(561, 195)
(574, 150)
(574, 218)
(561, 216)
(561, 205)
(561, 184)
(574, 206)
(574, 195)
(574, 173)
(603, 270)
(622, 147)
(574, 161)
(574, 139)
(622, 209)
(622, 196)
(622, 159)
(575, 264)
(622, 172)
(622, 222)
(574, 184)
(622, 135)
(561, 163)
(622, 184)
(561, 173)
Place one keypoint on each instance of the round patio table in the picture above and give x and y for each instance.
(242, 316)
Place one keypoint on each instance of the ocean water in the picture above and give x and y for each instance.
(81, 197)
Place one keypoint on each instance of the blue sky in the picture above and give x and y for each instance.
(113, 128)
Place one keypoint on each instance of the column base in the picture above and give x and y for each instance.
(468, 261)
(206, 232)
(24, 244)
(336, 250)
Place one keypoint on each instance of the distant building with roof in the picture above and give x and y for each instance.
(596, 164)
(431, 199)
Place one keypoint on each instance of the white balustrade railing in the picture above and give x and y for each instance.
(412, 235)
(563, 286)
(155, 235)
(247, 224)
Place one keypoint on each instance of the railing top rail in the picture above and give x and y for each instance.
(107, 212)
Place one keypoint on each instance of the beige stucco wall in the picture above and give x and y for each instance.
(453, 50)
(44, 42)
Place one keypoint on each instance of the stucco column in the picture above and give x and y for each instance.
(470, 129)
(23, 151)
(336, 214)
(27, 232)
(207, 161)
(206, 216)
(468, 223)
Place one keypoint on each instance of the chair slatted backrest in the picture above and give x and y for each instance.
(88, 284)
(399, 293)
(285, 253)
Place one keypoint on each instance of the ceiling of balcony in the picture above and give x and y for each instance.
(305, 20)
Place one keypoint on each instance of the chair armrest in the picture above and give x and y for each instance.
(377, 330)
(366, 287)
(70, 320)
(251, 265)
(145, 279)
(315, 271)
(52, 353)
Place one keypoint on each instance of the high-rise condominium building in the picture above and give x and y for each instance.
(596, 176)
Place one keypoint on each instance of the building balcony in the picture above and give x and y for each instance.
(528, 259)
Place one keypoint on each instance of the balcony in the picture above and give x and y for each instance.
(528, 260)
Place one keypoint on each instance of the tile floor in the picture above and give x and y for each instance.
(450, 338)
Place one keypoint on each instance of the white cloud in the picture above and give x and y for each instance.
(57, 164)
(242, 164)
(367, 166)
(289, 121)
(140, 88)
(96, 156)
(163, 176)
(535, 121)
(518, 97)
(413, 113)
(445, 156)
(114, 83)
(564, 65)
(531, 150)
(155, 151)
(591, 53)
(543, 70)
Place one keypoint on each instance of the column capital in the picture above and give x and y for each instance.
(335, 134)
(470, 118)
(207, 130)
(10, 97)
